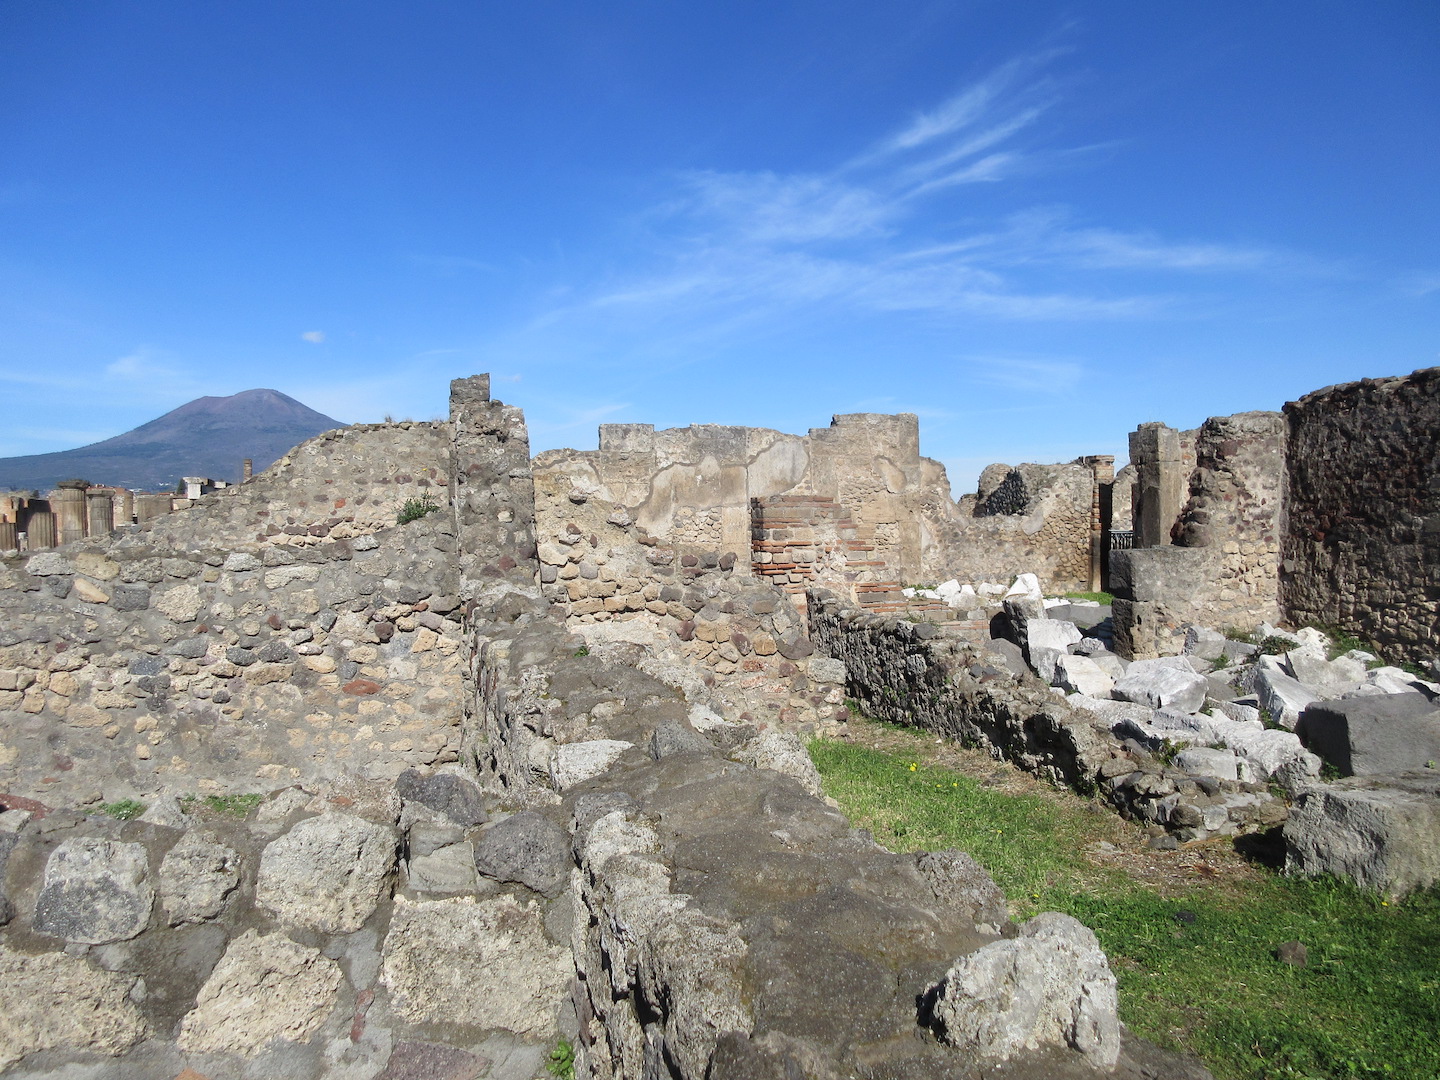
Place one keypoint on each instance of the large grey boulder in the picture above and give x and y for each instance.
(265, 987)
(483, 964)
(197, 877)
(457, 797)
(1364, 736)
(1050, 986)
(51, 1001)
(95, 891)
(784, 753)
(327, 872)
(527, 848)
(572, 764)
(1382, 832)
(1162, 686)
(1324, 678)
(1204, 761)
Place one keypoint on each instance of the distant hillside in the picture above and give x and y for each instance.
(210, 436)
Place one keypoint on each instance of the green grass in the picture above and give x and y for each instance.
(1196, 967)
(1098, 597)
(231, 806)
(124, 810)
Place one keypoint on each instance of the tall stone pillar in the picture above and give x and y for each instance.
(68, 503)
(9, 536)
(99, 514)
(1160, 483)
(493, 494)
(125, 513)
(39, 530)
(1102, 469)
(247, 469)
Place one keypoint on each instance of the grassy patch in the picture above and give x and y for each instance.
(124, 810)
(1195, 958)
(1098, 597)
(231, 806)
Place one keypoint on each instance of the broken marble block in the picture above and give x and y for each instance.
(1162, 686)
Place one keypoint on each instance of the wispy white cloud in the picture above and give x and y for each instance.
(1046, 376)
(144, 364)
(1417, 285)
(314, 337)
(732, 250)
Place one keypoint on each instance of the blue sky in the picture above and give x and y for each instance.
(1036, 225)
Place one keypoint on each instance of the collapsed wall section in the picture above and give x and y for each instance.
(1218, 564)
(284, 630)
(340, 485)
(1362, 551)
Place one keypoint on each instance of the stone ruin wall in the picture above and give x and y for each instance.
(1362, 551)
(1040, 519)
(1215, 561)
(1324, 515)
(853, 506)
(284, 630)
(675, 893)
(340, 485)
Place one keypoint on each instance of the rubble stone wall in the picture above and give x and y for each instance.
(1362, 551)
(1026, 519)
(339, 485)
(285, 629)
(913, 674)
(852, 506)
(1221, 568)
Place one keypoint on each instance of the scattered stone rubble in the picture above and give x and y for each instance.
(530, 764)
(490, 820)
(1213, 741)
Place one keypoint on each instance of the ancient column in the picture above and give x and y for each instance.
(1160, 482)
(247, 469)
(9, 536)
(39, 530)
(125, 514)
(1102, 469)
(99, 514)
(68, 503)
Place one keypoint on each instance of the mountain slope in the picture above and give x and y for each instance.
(209, 436)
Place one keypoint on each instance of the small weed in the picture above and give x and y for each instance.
(415, 509)
(1329, 772)
(1268, 719)
(1274, 645)
(233, 806)
(1168, 752)
(124, 810)
(1221, 661)
(561, 1062)
(583, 650)
(1098, 597)
(1245, 637)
